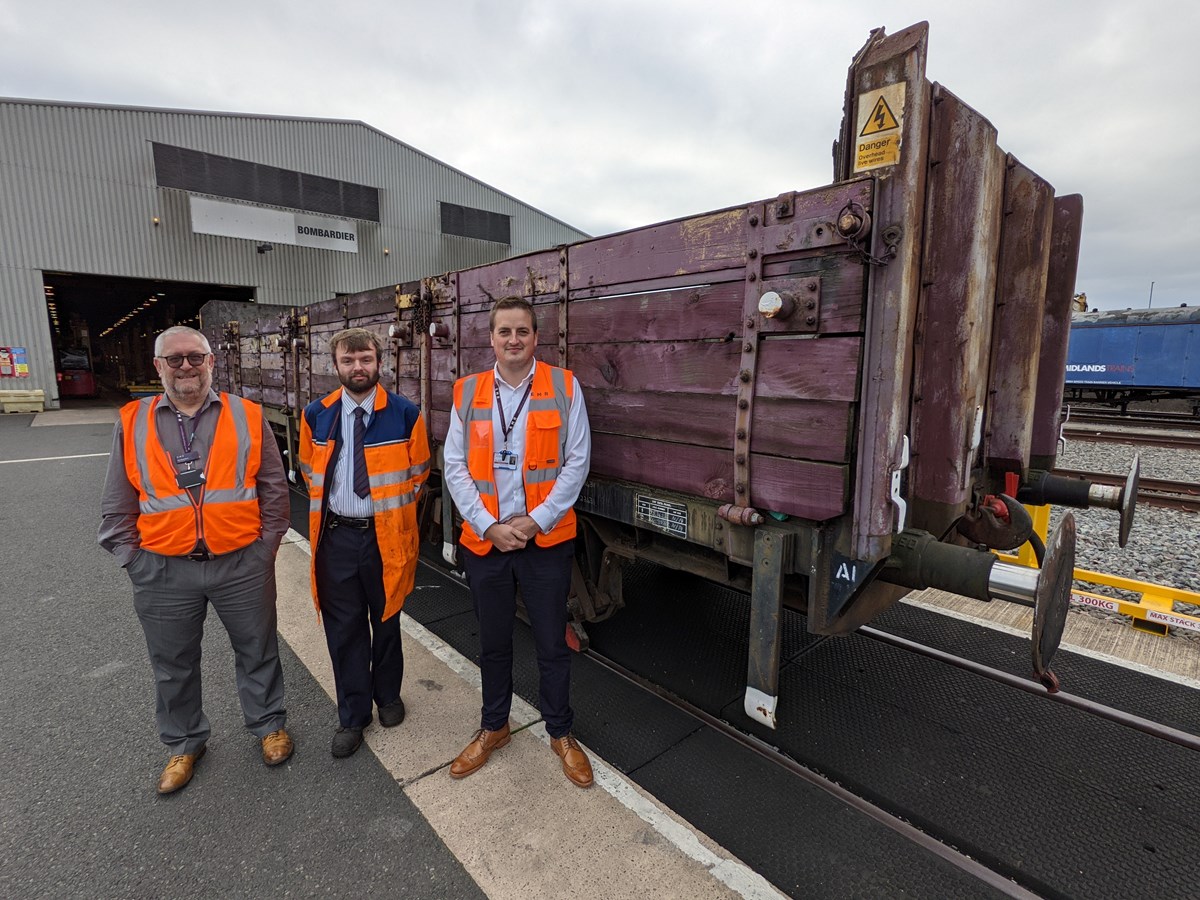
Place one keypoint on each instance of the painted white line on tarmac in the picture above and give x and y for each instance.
(1185, 680)
(732, 873)
(51, 458)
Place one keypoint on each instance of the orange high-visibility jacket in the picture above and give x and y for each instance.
(545, 445)
(397, 452)
(226, 517)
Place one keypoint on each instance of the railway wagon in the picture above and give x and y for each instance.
(825, 398)
(1120, 356)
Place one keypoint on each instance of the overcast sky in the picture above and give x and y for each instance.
(611, 114)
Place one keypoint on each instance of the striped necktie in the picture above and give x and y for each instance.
(362, 481)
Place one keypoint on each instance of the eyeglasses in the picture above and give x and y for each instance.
(175, 360)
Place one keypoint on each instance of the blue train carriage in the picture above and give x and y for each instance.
(1120, 356)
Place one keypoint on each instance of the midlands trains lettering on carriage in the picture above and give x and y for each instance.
(1099, 369)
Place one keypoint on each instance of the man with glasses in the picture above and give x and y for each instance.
(195, 505)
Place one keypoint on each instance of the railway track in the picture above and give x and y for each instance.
(1183, 495)
(1152, 428)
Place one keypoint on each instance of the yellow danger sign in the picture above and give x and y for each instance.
(879, 126)
(881, 119)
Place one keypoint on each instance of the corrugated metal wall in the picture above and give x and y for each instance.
(78, 194)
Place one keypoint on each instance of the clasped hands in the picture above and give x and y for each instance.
(513, 533)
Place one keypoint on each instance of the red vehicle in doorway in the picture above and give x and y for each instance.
(75, 376)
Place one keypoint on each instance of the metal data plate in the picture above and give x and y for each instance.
(1053, 597)
(661, 515)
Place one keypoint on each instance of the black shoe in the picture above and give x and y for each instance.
(346, 741)
(393, 714)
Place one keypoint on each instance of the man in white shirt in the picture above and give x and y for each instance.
(517, 454)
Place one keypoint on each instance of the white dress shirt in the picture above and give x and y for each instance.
(510, 483)
(342, 499)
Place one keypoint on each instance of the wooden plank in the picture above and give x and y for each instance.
(372, 304)
(473, 327)
(893, 293)
(954, 328)
(789, 428)
(810, 490)
(531, 275)
(1056, 329)
(325, 312)
(1020, 302)
(812, 369)
(705, 312)
(809, 369)
(683, 247)
(439, 423)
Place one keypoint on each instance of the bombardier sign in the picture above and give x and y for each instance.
(259, 223)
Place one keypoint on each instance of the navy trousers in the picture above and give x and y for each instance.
(543, 575)
(367, 656)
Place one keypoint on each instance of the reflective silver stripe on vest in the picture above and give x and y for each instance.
(558, 378)
(314, 505)
(141, 434)
(394, 502)
(537, 476)
(485, 487)
(465, 398)
(232, 495)
(399, 477)
(163, 504)
(242, 427)
(316, 479)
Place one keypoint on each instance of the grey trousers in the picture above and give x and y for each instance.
(171, 595)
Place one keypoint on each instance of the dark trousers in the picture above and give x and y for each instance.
(367, 656)
(544, 576)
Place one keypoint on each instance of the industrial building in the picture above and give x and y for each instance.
(118, 221)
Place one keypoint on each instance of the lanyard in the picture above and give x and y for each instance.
(188, 457)
(184, 437)
(507, 430)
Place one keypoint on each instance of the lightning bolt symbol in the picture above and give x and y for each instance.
(880, 118)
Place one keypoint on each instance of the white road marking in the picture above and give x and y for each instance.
(51, 458)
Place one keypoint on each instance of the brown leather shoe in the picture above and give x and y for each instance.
(476, 753)
(178, 771)
(574, 761)
(277, 747)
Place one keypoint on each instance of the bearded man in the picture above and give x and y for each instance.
(364, 453)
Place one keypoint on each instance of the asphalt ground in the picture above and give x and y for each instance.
(79, 816)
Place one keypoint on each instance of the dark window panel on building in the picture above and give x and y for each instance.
(465, 221)
(237, 179)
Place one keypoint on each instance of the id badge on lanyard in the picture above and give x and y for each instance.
(507, 459)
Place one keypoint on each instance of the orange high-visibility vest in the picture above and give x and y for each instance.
(545, 445)
(226, 516)
(397, 455)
